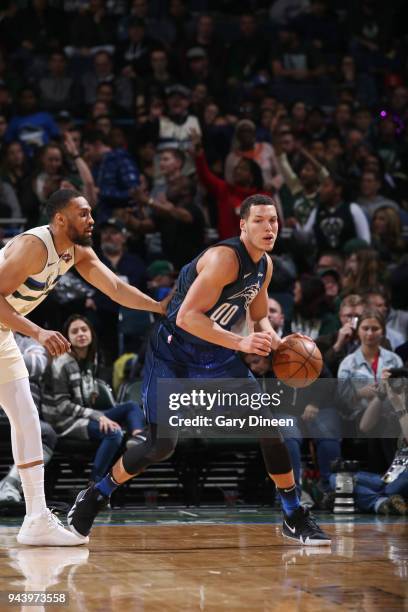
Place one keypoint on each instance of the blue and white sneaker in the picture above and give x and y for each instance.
(83, 513)
(302, 527)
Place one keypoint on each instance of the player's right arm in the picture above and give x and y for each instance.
(216, 269)
(25, 257)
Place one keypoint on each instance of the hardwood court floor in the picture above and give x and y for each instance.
(187, 559)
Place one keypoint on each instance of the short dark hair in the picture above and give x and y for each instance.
(177, 153)
(254, 200)
(376, 291)
(338, 181)
(59, 200)
(94, 136)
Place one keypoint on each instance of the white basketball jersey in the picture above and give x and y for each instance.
(36, 287)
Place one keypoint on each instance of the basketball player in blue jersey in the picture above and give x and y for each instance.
(194, 341)
(30, 267)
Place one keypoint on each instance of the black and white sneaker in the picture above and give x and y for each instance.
(83, 513)
(302, 527)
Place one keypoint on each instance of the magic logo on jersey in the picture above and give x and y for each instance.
(247, 294)
(225, 312)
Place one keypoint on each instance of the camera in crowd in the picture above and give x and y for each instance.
(396, 379)
(344, 494)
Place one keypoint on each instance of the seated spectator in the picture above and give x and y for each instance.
(57, 88)
(247, 180)
(200, 72)
(276, 316)
(335, 221)
(362, 84)
(15, 166)
(387, 494)
(103, 72)
(245, 145)
(247, 52)
(160, 76)
(173, 127)
(104, 124)
(315, 124)
(331, 260)
(9, 204)
(386, 234)
(369, 197)
(131, 267)
(336, 345)
(70, 391)
(388, 145)
(161, 275)
(332, 286)
(133, 54)
(205, 36)
(180, 222)
(359, 374)
(41, 183)
(171, 162)
(396, 320)
(30, 126)
(116, 172)
(295, 65)
(91, 29)
(41, 29)
(363, 121)
(311, 314)
(362, 270)
(35, 358)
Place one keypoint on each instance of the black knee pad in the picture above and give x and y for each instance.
(138, 458)
(276, 455)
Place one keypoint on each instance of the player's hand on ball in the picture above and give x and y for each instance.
(53, 341)
(259, 343)
(297, 335)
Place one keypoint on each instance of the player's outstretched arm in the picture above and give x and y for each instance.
(100, 276)
(258, 310)
(217, 268)
(25, 257)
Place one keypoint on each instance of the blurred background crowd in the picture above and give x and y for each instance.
(166, 115)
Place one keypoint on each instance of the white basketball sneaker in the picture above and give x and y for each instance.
(47, 530)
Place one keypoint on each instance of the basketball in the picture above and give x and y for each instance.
(297, 362)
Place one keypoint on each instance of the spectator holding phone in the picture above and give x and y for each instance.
(337, 345)
(360, 375)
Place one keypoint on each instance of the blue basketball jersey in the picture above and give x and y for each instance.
(230, 309)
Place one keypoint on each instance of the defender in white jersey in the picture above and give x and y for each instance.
(30, 266)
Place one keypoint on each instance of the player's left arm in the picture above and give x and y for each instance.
(100, 276)
(258, 309)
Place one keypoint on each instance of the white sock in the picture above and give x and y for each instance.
(32, 480)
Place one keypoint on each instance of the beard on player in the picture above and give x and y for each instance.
(80, 238)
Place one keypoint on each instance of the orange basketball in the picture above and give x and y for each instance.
(297, 362)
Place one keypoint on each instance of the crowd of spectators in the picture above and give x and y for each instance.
(166, 115)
